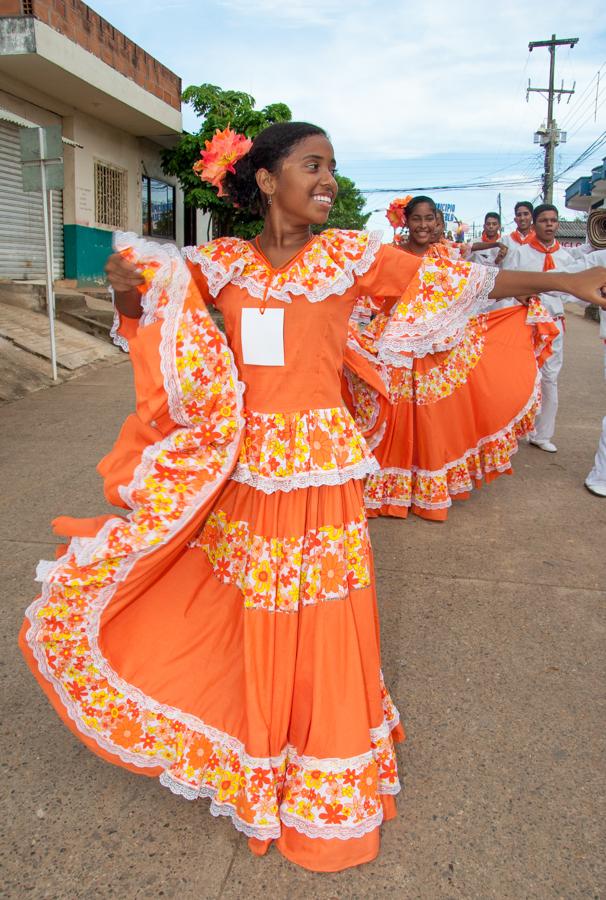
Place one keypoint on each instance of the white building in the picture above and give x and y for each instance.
(63, 64)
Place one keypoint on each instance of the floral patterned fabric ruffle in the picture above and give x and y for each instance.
(432, 314)
(433, 490)
(281, 574)
(441, 380)
(321, 798)
(286, 451)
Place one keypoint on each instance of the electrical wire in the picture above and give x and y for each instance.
(582, 100)
(589, 151)
(590, 116)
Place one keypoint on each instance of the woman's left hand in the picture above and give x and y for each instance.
(589, 285)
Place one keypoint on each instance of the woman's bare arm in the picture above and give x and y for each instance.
(589, 285)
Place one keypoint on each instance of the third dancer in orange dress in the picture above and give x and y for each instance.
(451, 415)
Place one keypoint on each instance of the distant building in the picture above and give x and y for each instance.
(572, 233)
(589, 191)
(61, 63)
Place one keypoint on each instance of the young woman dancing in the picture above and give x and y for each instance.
(223, 634)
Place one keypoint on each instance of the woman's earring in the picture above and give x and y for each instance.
(269, 200)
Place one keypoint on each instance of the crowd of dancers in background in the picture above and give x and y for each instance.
(419, 229)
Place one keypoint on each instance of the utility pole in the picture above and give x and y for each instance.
(549, 136)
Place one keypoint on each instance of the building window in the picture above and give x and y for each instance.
(110, 195)
(27, 7)
(158, 208)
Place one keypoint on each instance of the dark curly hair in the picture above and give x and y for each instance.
(268, 150)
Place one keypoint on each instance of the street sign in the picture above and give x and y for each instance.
(32, 176)
(41, 147)
(42, 172)
(41, 143)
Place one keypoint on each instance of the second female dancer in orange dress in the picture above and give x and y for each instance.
(449, 419)
(223, 634)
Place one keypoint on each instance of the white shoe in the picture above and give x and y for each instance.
(598, 488)
(547, 446)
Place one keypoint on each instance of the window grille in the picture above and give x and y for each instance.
(27, 7)
(110, 195)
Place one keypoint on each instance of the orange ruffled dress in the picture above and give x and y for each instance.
(223, 635)
(448, 413)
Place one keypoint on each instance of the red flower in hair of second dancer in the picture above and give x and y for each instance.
(396, 211)
(220, 157)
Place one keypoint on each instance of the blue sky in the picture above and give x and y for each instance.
(413, 95)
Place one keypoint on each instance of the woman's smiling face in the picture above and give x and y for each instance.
(303, 189)
(421, 224)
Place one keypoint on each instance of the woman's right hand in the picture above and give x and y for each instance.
(122, 274)
(125, 278)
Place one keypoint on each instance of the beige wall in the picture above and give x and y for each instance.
(102, 143)
(99, 142)
(22, 107)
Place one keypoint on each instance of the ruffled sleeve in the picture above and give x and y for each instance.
(183, 370)
(437, 297)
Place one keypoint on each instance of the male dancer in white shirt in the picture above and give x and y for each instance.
(491, 250)
(522, 214)
(541, 252)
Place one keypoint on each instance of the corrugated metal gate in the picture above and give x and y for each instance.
(21, 222)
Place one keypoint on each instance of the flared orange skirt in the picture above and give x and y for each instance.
(453, 420)
(244, 666)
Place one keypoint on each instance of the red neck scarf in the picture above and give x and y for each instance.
(535, 243)
(520, 238)
(490, 240)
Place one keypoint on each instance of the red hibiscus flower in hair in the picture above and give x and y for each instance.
(220, 157)
(396, 211)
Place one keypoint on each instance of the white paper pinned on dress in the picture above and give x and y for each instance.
(262, 336)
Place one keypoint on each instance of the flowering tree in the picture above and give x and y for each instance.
(218, 109)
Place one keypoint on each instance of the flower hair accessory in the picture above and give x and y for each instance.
(220, 157)
(396, 212)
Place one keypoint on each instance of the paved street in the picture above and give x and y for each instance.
(493, 641)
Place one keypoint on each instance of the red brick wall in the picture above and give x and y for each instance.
(89, 30)
(10, 8)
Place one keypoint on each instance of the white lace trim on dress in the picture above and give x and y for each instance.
(218, 275)
(269, 485)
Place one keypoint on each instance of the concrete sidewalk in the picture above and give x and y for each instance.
(493, 639)
(25, 351)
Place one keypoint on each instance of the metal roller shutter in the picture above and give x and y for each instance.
(21, 222)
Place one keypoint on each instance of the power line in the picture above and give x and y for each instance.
(473, 186)
(583, 98)
(582, 125)
(588, 113)
(589, 151)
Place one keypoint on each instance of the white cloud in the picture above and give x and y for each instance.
(289, 12)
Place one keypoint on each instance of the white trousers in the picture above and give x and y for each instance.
(597, 476)
(544, 425)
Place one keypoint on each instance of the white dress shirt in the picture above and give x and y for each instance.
(526, 258)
